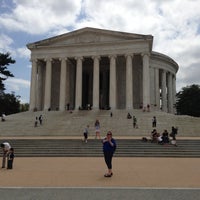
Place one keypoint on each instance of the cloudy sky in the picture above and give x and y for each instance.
(175, 25)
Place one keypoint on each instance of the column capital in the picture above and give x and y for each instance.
(63, 58)
(79, 58)
(129, 54)
(145, 54)
(48, 59)
(96, 57)
(112, 56)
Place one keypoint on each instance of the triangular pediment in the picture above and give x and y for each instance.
(88, 35)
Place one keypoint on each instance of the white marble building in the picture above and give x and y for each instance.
(102, 68)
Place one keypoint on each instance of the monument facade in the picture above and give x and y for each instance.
(103, 69)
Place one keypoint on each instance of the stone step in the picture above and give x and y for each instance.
(66, 124)
(125, 148)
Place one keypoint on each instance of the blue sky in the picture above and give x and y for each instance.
(175, 25)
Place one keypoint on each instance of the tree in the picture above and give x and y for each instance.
(5, 60)
(9, 103)
(24, 107)
(188, 101)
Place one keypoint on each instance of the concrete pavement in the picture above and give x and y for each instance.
(89, 172)
(99, 194)
(82, 178)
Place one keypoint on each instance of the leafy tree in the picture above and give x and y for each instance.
(9, 103)
(188, 101)
(5, 60)
(24, 107)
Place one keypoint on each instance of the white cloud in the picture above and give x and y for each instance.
(23, 52)
(37, 17)
(15, 84)
(5, 43)
(20, 87)
(6, 46)
(174, 24)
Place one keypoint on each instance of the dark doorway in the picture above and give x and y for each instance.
(87, 83)
(104, 83)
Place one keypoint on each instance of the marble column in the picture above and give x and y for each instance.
(62, 100)
(129, 82)
(157, 89)
(48, 77)
(146, 81)
(68, 89)
(96, 82)
(78, 100)
(164, 92)
(33, 86)
(112, 91)
(174, 92)
(39, 86)
(169, 91)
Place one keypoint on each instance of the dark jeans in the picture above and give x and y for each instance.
(85, 136)
(4, 159)
(108, 158)
(10, 164)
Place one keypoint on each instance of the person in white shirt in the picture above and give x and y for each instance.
(3, 117)
(5, 146)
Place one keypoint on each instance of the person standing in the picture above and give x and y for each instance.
(40, 119)
(5, 146)
(109, 147)
(134, 122)
(85, 134)
(36, 122)
(154, 121)
(97, 129)
(3, 117)
(10, 158)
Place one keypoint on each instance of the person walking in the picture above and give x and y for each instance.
(40, 119)
(154, 121)
(36, 122)
(97, 129)
(10, 158)
(134, 122)
(109, 147)
(85, 134)
(5, 146)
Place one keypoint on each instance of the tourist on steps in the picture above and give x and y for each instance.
(85, 134)
(97, 129)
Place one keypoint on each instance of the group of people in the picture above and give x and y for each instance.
(135, 125)
(109, 145)
(97, 131)
(8, 155)
(38, 120)
(164, 138)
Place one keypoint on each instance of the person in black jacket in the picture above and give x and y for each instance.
(109, 147)
(10, 158)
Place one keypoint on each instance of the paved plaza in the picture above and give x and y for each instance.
(89, 172)
(82, 178)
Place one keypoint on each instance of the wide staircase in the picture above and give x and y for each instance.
(125, 148)
(56, 123)
(61, 133)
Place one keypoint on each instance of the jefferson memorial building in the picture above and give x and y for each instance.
(101, 68)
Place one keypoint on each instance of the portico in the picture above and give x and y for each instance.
(101, 68)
